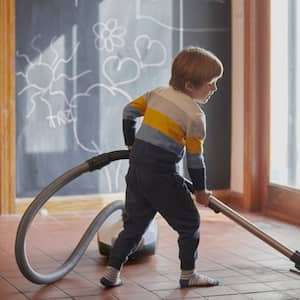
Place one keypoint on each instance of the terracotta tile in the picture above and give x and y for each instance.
(129, 288)
(293, 292)
(178, 294)
(163, 285)
(137, 296)
(150, 279)
(92, 291)
(99, 297)
(7, 289)
(228, 297)
(15, 297)
(270, 277)
(251, 287)
(73, 280)
(215, 291)
(238, 280)
(23, 285)
(47, 292)
(221, 274)
(284, 285)
(269, 296)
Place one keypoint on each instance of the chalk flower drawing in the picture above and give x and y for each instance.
(109, 35)
(41, 77)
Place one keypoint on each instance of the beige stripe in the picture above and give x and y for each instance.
(181, 109)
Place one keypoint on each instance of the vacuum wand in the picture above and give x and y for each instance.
(219, 206)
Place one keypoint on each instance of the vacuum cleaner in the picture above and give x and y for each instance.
(108, 223)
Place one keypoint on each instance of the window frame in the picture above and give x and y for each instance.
(259, 193)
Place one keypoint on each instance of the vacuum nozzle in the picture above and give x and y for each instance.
(296, 259)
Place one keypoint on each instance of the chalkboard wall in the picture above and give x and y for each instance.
(79, 62)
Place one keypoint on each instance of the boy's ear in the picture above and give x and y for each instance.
(188, 86)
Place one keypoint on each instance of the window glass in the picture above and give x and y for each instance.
(285, 93)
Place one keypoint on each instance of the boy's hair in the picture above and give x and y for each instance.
(195, 65)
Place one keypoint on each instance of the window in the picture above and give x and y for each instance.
(285, 93)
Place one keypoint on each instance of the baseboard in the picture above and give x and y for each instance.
(72, 203)
(231, 198)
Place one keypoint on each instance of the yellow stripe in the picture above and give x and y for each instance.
(140, 104)
(165, 125)
(194, 145)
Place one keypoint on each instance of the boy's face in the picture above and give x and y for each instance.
(204, 92)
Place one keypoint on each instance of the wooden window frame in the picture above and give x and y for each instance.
(256, 103)
(259, 194)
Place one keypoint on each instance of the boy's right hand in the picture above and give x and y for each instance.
(202, 197)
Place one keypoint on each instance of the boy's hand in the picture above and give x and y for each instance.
(202, 197)
(129, 147)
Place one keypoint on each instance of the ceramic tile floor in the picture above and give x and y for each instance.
(246, 267)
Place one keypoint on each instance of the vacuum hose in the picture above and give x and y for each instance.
(94, 163)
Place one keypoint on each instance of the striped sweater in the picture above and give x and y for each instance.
(173, 122)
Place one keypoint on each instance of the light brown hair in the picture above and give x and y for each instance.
(195, 65)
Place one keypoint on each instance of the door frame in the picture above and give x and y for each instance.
(7, 108)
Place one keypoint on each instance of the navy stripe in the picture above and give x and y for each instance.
(198, 177)
(129, 131)
(148, 154)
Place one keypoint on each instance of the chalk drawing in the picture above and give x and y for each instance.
(92, 146)
(142, 15)
(144, 46)
(115, 67)
(40, 78)
(109, 35)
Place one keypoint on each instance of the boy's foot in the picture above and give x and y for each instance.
(196, 279)
(109, 284)
(111, 277)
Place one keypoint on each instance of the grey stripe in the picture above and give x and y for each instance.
(195, 161)
(155, 137)
(130, 112)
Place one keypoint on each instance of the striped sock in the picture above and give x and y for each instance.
(193, 278)
(111, 277)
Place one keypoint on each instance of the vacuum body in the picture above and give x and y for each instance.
(111, 228)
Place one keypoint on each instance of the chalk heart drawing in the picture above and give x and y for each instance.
(120, 71)
(151, 53)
